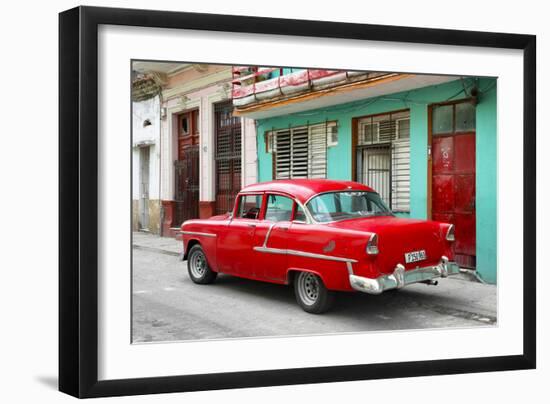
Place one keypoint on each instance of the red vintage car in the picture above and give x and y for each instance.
(321, 236)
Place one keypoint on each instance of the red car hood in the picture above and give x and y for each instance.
(397, 236)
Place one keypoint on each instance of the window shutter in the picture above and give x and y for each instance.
(401, 178)
(386, 131)
(282, 156)
(317, 161)
(301, 152)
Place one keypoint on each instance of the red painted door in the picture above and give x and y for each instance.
(454, 190)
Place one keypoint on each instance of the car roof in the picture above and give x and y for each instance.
(304, 189)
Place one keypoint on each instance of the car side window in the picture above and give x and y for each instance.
(279, 208)
(249, 206)
(300, 215)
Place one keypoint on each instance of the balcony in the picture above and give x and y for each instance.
(261, 92)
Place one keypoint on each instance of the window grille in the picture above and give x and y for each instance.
(383, 157)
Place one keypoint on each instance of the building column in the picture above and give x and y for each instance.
(249, 152)
(486, 184)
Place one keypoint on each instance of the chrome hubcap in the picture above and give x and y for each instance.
(198, 264)
(308, 288)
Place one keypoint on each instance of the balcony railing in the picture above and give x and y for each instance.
(251, 84)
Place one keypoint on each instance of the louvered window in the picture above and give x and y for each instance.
(301, 152)
(383, 157)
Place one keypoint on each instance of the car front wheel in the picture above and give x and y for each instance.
(198, 268)
(311, 293)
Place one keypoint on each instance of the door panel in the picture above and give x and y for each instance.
(464, 148)
(443, 187)
(465, 193)
(465, 233)
(453, 190)
(235, 253)
(235, 248)
(186, 168)
(187, 185)
(443, 155)
(271, 267)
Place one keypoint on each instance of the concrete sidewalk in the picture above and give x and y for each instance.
(151, 242)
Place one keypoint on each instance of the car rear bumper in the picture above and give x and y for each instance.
(400, 277)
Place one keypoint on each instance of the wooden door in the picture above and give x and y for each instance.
(186, 167)
(453, 184)
(227, 155)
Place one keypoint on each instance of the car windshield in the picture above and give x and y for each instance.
(334, 206)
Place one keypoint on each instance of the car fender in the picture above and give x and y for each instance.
(336, 281)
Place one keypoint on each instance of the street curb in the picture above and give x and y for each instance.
(157, 250)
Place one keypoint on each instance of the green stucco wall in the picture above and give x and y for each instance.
(486, 182)
(417, 101)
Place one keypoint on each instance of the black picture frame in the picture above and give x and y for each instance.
(78, 201)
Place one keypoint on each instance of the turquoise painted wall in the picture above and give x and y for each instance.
(417, 101)
(486, 182)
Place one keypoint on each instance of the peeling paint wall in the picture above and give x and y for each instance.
(204, 100)
(146, 136)
(201, 90)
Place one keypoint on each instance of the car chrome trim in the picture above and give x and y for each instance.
(401, 277)
(309, 218)
(297, 253)
(198, 233)
(271, 226)
(450, 236)
(372, 249)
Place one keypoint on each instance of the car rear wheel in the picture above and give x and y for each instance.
(311, 293)
(198, 268)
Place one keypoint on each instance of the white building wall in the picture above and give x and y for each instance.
(146, 136)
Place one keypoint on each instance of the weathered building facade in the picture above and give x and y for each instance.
(205, 153)
(145, 154)
(426, 143)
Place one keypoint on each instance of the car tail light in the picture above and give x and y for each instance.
(372, 245)
(450, 233)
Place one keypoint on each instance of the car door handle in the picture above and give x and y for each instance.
(285, 228)
(251, 225)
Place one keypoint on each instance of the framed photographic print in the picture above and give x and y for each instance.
(251, 201)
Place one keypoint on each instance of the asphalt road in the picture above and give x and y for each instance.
(167, 306)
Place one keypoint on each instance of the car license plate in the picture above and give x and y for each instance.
(415, 256)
